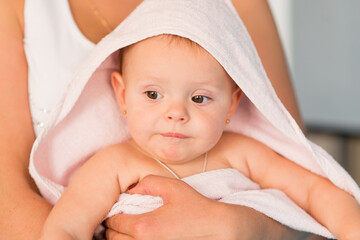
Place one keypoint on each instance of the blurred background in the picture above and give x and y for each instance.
(321, 39)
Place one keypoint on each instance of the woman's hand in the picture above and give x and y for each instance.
(186, 214)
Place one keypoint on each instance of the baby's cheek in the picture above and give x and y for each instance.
(137, 127)
(212, 129)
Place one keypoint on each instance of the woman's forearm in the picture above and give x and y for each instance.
(266, 228)
(22, 210)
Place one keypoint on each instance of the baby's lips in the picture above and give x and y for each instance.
(174, 135)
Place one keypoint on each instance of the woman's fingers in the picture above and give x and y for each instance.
(114, 235)
(123, 223)
(143, 226)
(155, 186)
(169, 189)
(185, 214)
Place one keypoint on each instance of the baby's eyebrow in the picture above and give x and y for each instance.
(209, 81)
(200, 80)
(153, 77)
(148, 80)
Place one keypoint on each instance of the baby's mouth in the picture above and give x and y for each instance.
(174, 135)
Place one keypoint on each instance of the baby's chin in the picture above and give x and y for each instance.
(172, 150)
(177, 156)
(172, 156)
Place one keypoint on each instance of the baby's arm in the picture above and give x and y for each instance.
(331, 206)
(88, 198)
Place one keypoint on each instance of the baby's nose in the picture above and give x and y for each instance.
(177, 112)
(172, 117)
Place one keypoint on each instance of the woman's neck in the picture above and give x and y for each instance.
(96, 18)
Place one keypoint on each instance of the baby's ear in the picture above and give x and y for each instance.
(118, 85)
(235, 99)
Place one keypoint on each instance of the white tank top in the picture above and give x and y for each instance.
(54, 48)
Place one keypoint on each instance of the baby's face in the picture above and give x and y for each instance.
(177, 98)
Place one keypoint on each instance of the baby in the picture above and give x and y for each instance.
(177, 100)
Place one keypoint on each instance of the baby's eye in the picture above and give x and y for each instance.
(153, 94)
(200, 99)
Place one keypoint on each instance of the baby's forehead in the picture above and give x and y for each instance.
(160, 40)
(172, 40)
(167, 40)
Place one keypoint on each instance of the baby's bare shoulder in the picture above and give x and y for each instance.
(122, 160)
(117, 148)
(116, 154)
(232, 139)
(238, 149)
